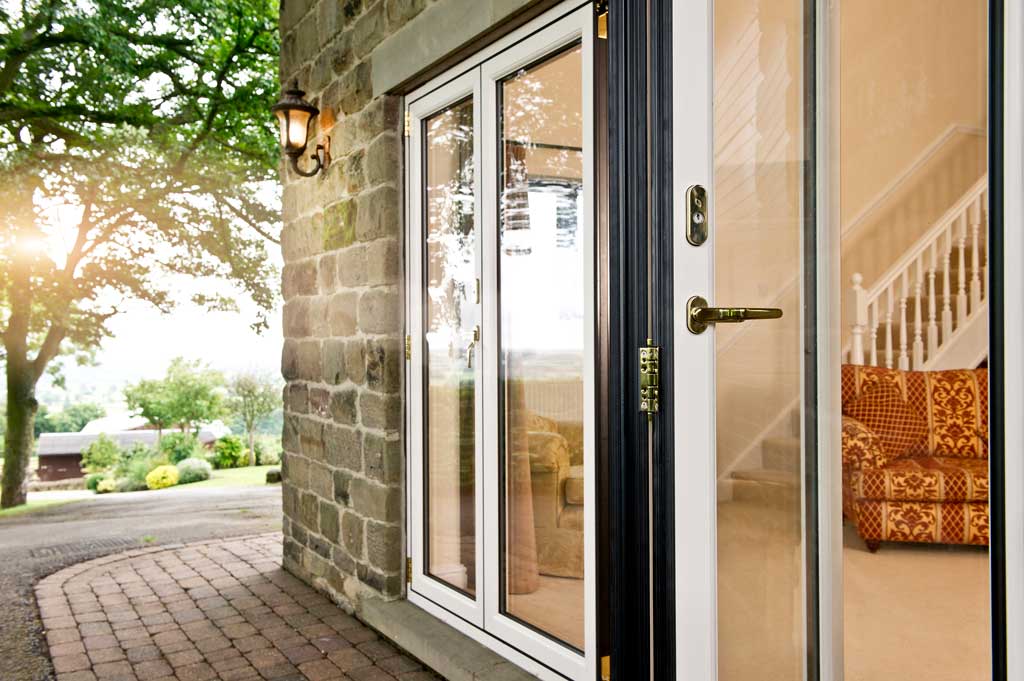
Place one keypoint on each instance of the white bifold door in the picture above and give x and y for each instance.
(501, 365)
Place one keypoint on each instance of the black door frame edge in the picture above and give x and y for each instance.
(627, 306)
(662, 322)
(996, 329)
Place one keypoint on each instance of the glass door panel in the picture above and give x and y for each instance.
(542, 324)
(451, 319)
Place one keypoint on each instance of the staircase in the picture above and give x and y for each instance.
(927, 311)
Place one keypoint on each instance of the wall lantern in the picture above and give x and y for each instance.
(295, 115)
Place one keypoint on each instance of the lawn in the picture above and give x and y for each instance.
(33, 506)
(250, 476)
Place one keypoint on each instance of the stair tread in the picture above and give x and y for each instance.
(768, 475)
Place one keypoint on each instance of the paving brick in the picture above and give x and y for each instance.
(152, 669)
(321, 670)
(71, 663)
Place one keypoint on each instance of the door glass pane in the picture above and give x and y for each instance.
(541, 345)
(450, 315)
(761, 211)
(913, 185)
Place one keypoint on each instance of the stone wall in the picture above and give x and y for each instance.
(343, 353)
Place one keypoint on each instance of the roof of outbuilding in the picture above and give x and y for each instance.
(55, 444)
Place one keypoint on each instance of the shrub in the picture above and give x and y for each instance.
(93, 480)
(130, 485)
(193, 470)
(161, 477)
(268, 451)
(133, 466)
(101, 455)
(106, 485)
(228, 452)
(180, 446)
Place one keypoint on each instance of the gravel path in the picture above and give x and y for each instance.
(38, 544)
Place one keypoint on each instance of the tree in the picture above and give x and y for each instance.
(253, 397)
(136, 150)
(69, 420)
(150, 400)
(101, 455)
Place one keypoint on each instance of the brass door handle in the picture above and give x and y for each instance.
(699, 315)
(472, 346)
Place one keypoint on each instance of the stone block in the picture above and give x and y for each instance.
(380, 311)
(298, 279)
(296, 398)
(388, 585)
(384, 548)
(344, 561)
(352, 91)
(382, 160)
(342, 480)
(399, 12)
(290, 360)
(327, 274)
(295, 470)
(369, 30)
(292, 11)
(339, 229)
(352, 168)
(383, 364)
(308, 360)
(296, 318)
(376, 501)
(383, 114)
(352, 534)
(309, 511)
(383, 264)
(321, 481)
(333, 361)
(320, 402)
(383, 459)
(329, 18)
(355, 360)
(330, 521)
(342, 57)
(289, 493)
(381, 412)
(378, 214)
(343, 406)
(341, 313)
(352, 266)
(319, 323)
(290, 433)
(322, 548)
(343, 448)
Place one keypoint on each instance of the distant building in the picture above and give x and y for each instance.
(60, 454)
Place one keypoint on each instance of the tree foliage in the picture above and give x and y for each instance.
(253, 397)
(190, 394)
(101, 455)
(136, 148)
(71, 419)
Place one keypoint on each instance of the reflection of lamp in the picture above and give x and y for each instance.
(295, 115)
(515, 202)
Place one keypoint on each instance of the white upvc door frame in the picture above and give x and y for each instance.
(466, 86)
(480, 76)
(575, 27)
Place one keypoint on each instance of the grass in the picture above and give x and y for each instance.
(250, 476)
(33, 506)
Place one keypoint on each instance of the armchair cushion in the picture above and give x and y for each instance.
(899, 426)
(925, 478)
(861, 447)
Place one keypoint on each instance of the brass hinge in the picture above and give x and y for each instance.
(650, 360)
(408, 347)
(408, 123)
(606, 668)
(408, 570)
(601, 9)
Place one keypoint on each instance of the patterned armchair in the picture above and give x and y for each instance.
(915, 455)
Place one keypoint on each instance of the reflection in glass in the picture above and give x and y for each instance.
(541, 322)
(450, 315)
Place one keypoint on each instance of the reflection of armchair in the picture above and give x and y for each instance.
(557, 487)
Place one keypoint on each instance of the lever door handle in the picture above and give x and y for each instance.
(699, 315)
(472, 346)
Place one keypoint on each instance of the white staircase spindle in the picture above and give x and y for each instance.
(947, 292)
(860, 320)
(890, 299)
(961, 291)
(975, 216)
(918, 353)
(873, 333)
(904, 363)
(984, 237)
(933, 326)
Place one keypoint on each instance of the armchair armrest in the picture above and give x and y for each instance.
(861, 446)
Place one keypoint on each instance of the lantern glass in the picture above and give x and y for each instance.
(294, 129)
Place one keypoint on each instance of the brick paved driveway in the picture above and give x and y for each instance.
(221, 609)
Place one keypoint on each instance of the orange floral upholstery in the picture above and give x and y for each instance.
(909, 487)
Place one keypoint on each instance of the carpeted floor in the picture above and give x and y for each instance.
(912, 613)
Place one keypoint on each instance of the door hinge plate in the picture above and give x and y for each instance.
(408, 123)
(408, 347)
(408, 570)
(650, 378)
(601, 10)
(606, 668)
